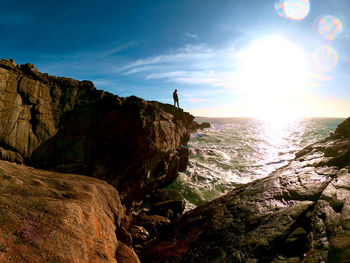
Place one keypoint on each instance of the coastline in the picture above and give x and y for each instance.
(126, 150)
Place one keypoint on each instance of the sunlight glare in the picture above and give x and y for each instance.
(325, 58)
(273, 74)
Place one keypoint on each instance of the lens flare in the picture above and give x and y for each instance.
(330, 27)
(293, 9)
(279, 7)
(325, 58)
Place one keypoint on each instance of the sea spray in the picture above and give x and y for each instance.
(236, 151)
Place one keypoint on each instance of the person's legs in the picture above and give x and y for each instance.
(177, 104)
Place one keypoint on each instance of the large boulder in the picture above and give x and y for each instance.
(67, 125)
(343, 129)
(54, 217)
(299, 213)
(199, 126)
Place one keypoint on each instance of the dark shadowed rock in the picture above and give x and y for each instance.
(67, 125)
(343, 129)
(299, 213)
(199, 126)
(139, 234)
(168, 203)
(53, 217)
(154, 224)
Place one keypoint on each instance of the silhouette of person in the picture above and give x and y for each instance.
(176, 98)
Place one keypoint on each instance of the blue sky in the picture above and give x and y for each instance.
(206, 49)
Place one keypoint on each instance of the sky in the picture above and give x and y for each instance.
(241, 58)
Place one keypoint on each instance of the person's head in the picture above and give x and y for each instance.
(176, 90)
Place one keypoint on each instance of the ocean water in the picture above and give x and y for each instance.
(236, 151)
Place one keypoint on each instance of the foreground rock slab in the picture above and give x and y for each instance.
(53, 217)
(299, 213)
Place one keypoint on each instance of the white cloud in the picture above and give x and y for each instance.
(190, 64)
(194, 36)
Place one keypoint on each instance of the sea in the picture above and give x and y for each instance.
(236, 151)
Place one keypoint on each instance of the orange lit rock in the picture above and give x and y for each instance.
(54, 217)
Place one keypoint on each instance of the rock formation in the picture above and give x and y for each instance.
(199, 126)
(70, 128)
(67, 125)
(53, 217)
(299, 213)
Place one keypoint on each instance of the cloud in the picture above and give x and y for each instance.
(118, 49)
(194, 36)
(196, 100)
(85, 63)
(190, 64)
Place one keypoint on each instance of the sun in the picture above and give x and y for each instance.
(274, 75)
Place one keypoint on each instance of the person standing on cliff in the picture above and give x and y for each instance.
(176, 98)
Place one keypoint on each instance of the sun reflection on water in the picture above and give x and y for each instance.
(279, 135)
(235, 151)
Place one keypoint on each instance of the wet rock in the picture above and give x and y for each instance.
(296, 243)
(168, 203)
(154, 224)
(199, 126)
(299, 213)
(139, 234)
(343, 129)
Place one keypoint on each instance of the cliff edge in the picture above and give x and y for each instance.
(66, 125)
(56, 135)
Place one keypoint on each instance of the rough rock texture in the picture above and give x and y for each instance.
(67, 125)
(299, 213)
(199, 126)
(53, 217)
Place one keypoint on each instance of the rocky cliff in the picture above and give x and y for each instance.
(66, 125)
(53, 217)
(56, 135)
(299, 213)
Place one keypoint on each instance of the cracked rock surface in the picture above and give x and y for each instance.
(299, 213)
(54, 217)
(55, 129)
(66, 125)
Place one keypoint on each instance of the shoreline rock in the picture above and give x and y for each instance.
(299, 213)
(66, 125)
(199, 126)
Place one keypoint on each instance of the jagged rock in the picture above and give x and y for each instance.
(299, 213)
(53, 217)
(168, 203)
(67, 125)
(154, 224)
(343, 129)
(139, 234)
(199, 126)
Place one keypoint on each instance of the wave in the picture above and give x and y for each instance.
(237, 151)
